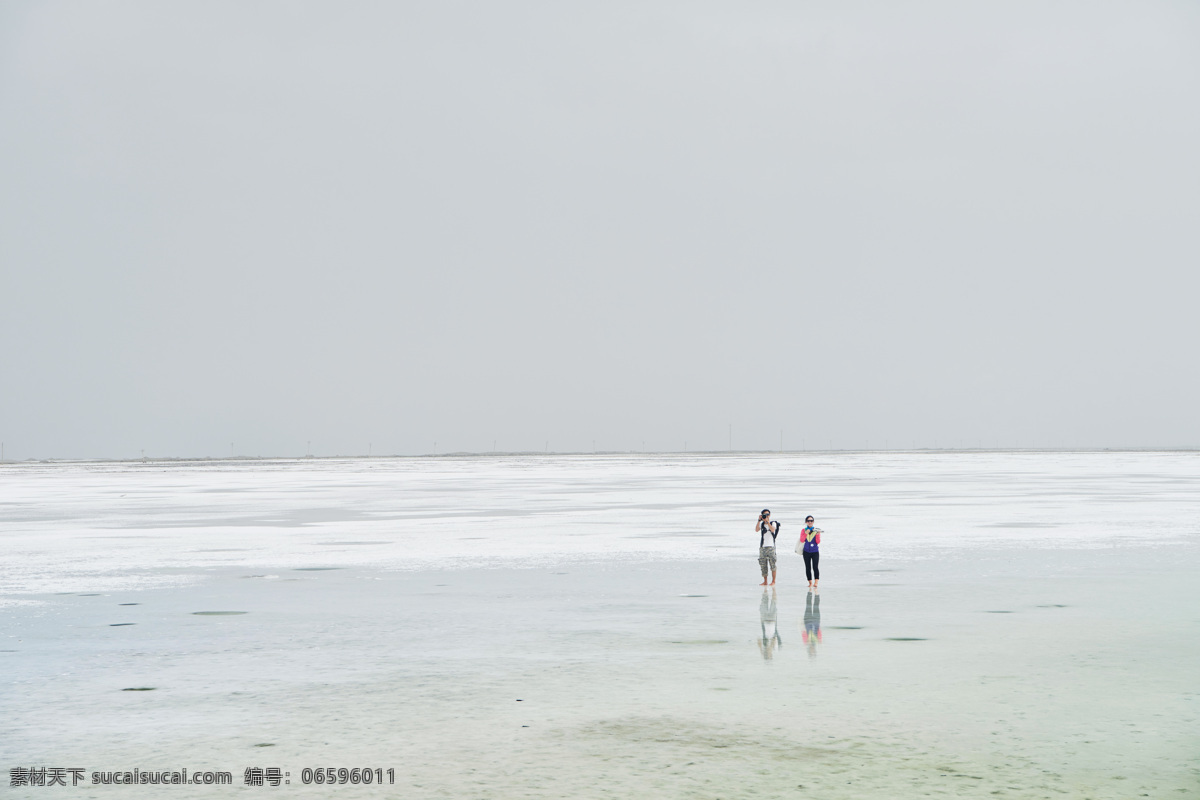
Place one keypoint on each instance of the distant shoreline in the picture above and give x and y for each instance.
(581, 453)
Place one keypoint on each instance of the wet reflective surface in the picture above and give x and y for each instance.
(812, 623)
(622, 681)
(629, 676)
(768, 619)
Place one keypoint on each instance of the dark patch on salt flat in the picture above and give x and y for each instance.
(905, 639)
(844, 627)
(129, 604)
(701, 641)
(1054, 605)
(120, 624)
(139, 689)
(265, 744)
(316, 569)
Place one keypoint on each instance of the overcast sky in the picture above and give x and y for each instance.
(246, 226)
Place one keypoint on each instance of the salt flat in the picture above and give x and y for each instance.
(992, 624)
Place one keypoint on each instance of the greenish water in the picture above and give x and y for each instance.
(615, 679)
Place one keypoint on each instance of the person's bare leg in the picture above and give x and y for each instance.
(774, 572)
(764, 583)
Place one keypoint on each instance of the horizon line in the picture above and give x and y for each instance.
(545, 453)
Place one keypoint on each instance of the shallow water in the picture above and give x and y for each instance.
(998, 661)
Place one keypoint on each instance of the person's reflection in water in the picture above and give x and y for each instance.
(812, 623)
(768, 615)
